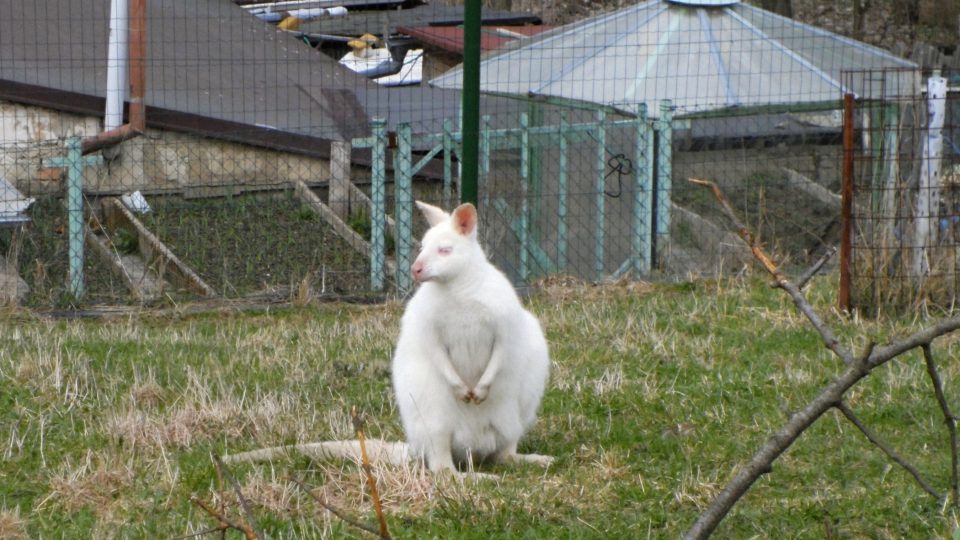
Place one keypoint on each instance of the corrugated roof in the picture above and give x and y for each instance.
(701, 58)
(204, 57)
(212, 69)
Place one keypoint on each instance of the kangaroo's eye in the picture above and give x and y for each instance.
(445, 250)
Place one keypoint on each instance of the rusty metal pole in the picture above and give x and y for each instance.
(846, 205)
(136, 117)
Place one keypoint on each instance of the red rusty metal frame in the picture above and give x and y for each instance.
(136, 114)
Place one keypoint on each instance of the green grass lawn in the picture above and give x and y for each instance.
(658, 392)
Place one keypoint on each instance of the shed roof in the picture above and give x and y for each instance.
(702, 57)
(204, 58)
(212, 69)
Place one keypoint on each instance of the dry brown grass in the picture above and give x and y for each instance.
(562, 288)
(12, 526)
(94, 483)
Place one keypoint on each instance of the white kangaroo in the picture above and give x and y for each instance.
(471, 363)
(470, 366)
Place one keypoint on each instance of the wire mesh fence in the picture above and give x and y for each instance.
(158, 151)
(906, 206)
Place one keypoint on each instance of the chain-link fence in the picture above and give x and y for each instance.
(905, 211)
(158, 151)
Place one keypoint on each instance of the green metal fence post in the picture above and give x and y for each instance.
(535, 171)
(74, 163)
(562, 195)
(524, 193)
(448, 148)
(470, 108)
(378, 200)
(600, 188)
(484, 175)
(403, 199)
(664, 174)
(642, 196)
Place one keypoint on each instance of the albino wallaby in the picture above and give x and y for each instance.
(471, 363)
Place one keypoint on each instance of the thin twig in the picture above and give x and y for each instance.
(223, 500)
(812, 271)
(948, 419)
(371, 481)
(221, 529)
(781, 281)
(225, 522)
(900, 460)
(250, 529)
(333, 509)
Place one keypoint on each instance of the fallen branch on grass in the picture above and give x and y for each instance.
(830, 397)
(225, 522)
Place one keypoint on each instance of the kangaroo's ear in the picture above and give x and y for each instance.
(433, 214)
(465, 219)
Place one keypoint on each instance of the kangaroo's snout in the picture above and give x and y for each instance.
(417, 269)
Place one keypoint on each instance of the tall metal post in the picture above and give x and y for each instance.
(601, 168)
(470, 112)
(562, 195)
(403, 198)
(846, 204)
(448, 146)
(664, 175)
(642, 196)
(378, 199)
(485, 142)
(74, 163)
(524, 195)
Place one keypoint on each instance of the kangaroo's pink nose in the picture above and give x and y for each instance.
(417, 270)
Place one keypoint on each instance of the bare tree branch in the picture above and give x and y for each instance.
(829, 397)
(812, 271)
(225, 522)
(917, 339)
(777, 444)
(221, 529)
(900, 460)
(250, 528)
(333, 509)
(781, 281)
(948, 418)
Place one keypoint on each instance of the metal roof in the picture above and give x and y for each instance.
(204, 58)
(211, 69)
(702, 58)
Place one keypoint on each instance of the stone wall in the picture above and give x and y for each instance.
(160, 161)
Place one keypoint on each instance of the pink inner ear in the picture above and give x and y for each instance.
(465, 218)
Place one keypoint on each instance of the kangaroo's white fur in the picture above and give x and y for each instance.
(471, 363)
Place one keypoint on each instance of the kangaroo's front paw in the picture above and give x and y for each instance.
(480, 393)
(464, 394)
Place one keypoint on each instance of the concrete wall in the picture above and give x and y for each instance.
(161, 161)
